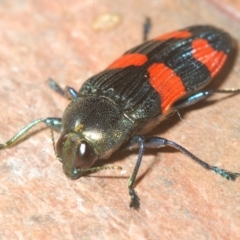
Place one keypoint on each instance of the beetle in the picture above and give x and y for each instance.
(132, 95)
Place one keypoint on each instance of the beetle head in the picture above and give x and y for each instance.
(75, 153)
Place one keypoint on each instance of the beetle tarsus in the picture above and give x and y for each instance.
(55, 87)
(224, 173)
(2, 146)
(68, 92)
(135, 200)
(146, 28)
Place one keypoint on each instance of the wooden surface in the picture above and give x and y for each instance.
(179, 199)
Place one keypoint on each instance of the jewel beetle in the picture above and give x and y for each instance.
(117, 106)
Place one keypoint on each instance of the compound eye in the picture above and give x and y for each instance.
(60, 143)
(85, 155)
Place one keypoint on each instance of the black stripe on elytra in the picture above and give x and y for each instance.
(176, 54)
(129, 88)
(217, 39)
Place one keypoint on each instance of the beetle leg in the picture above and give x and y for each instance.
(53, 123)
(200, 95)
(146, 28)
(158, 142)
(136, 141)
(68, 92)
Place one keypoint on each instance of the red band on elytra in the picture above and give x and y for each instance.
(209, 56)
(176, 34)
(131, 59)
(165, 81)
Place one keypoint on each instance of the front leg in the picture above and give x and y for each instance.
(138, 142)
(201, 95)
(53, 123)
(68, 92)
(158, 142)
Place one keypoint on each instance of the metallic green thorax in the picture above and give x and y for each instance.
(97, 121)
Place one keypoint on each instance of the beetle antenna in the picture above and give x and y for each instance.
(54, 146)
(92, 169)
(95, 169)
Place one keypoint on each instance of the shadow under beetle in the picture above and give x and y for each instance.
(132, 96)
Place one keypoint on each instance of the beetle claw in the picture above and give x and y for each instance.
(135, 200)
